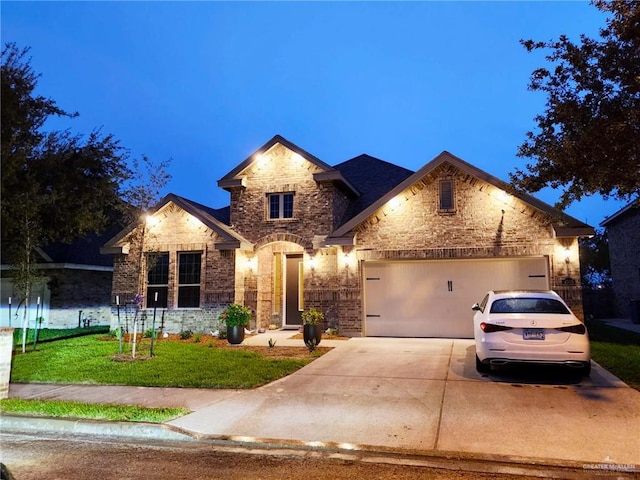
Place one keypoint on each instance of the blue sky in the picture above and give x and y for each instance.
(207, 83)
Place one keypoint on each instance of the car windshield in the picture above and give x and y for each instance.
(528, 305)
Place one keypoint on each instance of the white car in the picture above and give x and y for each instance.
(516, 327)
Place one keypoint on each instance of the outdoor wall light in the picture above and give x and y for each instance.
(151, 220)
(251, 264)
(394, 203)
(312, 262)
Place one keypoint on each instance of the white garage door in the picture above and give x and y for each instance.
(434, 298)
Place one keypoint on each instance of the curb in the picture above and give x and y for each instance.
(483, 463)
(141, 431)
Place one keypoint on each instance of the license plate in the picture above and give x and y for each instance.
(533, 334)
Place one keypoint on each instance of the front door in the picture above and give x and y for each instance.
(293, 302)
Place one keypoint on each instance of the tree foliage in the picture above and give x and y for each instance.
(594, 261)
(57, 185)
(588, 138)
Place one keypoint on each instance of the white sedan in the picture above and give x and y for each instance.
(512, 327)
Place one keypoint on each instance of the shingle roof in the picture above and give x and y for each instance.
(82, 251)
(634, 206)
(372, 177)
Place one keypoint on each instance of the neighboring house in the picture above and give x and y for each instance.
(381, 250)
(74, 290)
(623, 233)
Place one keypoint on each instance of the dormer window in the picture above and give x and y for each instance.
(280, 205)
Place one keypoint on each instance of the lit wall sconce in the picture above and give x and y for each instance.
(312, 262)
(567, 252)
(347, 259)
(151, 220)
(251, 264)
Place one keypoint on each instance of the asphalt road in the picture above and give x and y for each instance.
(53, 457)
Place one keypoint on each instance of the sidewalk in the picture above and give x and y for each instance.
(395, 395)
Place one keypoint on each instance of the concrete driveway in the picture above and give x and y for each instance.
(425, 395)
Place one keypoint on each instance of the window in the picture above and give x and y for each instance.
(189, 279)
(446, 195)
(528, 305)
(157, 279)
(280, 205)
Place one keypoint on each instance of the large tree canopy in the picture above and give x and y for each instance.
(57, 186)
(588, 138)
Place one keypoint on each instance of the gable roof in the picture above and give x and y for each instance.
(623, 212)
(372, 177)
(564, 225)
(215, 219)
(328, 173)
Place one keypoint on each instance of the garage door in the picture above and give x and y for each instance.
(434, 298)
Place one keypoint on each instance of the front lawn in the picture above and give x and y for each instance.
(114, 413)
(617, 350)
(206, 364)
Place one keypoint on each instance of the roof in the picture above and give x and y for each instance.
(82, 251)
(372, 177)
(564, 225)
(327, 173)
(215, 219)
(632, 207)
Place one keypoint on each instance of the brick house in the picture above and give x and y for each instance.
(74, 288)
(381, 250)
(623, 232)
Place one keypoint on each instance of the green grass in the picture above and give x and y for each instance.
(89, 360)
(617, 350)
(48, 334)
(115, 413)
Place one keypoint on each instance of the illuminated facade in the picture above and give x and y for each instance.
(299, 233)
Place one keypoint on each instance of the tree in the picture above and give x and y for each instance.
(588, 138)
(57, 186)
(594, 261)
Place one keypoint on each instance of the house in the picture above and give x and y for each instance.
(623, 232)
(74, 288)
(381, 250)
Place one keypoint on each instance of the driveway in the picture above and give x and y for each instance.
(425, 395)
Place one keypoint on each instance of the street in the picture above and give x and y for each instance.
(30, 457)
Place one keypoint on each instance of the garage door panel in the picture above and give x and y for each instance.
(434, 298)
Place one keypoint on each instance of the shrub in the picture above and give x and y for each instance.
(184, 334)
(236, 315)
(149, 333)
(196, 338)
(312, 316)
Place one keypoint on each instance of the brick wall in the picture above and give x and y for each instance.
(624, 251)
(176, 232)
(317, 206)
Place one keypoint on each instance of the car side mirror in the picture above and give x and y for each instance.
(475, 307)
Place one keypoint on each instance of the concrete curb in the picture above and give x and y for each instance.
(542, 467)
(141, 431)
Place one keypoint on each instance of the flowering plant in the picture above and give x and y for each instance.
(137, 300)
(235, 315)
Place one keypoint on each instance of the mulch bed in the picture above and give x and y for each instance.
(208, 341)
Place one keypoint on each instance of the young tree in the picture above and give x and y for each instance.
(588, 138)
(57, 186)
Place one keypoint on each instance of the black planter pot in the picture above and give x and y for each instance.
(310, 332)
(235, 335)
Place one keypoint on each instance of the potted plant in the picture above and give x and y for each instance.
(312, 327)
(236, 317)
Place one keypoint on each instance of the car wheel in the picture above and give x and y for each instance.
(482, 367)
(586, 369)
